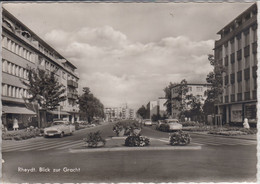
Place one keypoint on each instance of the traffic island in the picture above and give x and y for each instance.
(118, 144)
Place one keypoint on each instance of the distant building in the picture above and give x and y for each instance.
(237, 51)
(119, 113)
(156, 107)
(21, 48)
(197, 90)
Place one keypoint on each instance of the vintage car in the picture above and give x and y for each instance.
(59, 128)
(147, 122)
(173, 124)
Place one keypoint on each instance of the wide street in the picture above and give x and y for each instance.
(220, 159)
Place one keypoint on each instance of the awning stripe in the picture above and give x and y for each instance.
(16, 110)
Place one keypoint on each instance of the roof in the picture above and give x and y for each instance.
(15, 20)
(238, 17)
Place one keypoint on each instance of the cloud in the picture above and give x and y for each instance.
(118, 70)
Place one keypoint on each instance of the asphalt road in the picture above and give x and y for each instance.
(219, 160)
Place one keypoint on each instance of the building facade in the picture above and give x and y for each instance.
(156, 107)
(22, 48)
(197, 90)
(236, 50)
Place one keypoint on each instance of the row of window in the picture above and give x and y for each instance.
(239, 97)
(239, 75)
(13, 91)
(238, 39)
(14, 69)
(16, 48)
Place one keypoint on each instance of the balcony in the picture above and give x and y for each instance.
(233, 98)
(239, 55)
(72, 96)
(246, 51)
(72, 83)
(254, 47)
(247, 95)
(239, 97)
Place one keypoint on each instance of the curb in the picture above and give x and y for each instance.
(92, 150)
(232, 137)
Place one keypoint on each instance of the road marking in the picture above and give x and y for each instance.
(33, 147)
(56, 146)
(73, 146)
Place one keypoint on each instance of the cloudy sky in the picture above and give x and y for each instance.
(128, 52)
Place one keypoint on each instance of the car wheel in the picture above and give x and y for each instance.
(61, 134)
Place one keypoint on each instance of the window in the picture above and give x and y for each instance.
(21, 93)
(24, 74)
(21, 72)
(9, 44)
(4, 89)
(10, 68)
(17, 49)
(199, 89)
(4, 65)
(13, 69)
(13, 91)
(247, 62)
(246, 37)
(17, 71)
(239, 41)
(247, 85)
(239, 76)
(9, 91)
(247, 73)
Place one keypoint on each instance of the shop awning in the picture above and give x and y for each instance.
(57, 112)
(16, 110)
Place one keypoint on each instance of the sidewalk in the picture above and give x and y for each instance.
(246, 137)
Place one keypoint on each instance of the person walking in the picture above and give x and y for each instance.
(15, 124)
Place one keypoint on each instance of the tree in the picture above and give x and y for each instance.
(142, 111)
(178, 101)
(90, 105)
(168, 96)
(216, 80)
(45, 90)
(195, 108)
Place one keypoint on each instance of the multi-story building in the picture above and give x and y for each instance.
(156, 107)
(22, 48)
(236, 50)
(197, 90)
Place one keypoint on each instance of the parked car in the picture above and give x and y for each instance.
(147, 122)
(173, 124)
(160, 122)
(59, 128)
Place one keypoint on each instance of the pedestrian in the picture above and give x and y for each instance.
(246, 124)
(15, 124)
